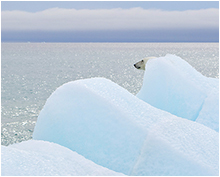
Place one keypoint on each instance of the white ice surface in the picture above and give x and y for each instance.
(171, 84)
(106, 124)
(41, 158)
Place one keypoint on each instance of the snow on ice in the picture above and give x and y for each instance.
(43, 158)
(174, 131)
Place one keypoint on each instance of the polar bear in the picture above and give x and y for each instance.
(141, 64)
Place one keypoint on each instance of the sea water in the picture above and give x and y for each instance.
(30, 72)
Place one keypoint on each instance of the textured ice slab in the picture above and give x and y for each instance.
(108, 125)
(209, 114)
(171, 84)
(41, 158)
(176, 147)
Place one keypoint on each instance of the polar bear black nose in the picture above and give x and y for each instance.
(138, 67)
(135, 66)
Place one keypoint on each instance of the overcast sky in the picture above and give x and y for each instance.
(113, 21)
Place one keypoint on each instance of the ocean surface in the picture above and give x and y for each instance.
(30, 72)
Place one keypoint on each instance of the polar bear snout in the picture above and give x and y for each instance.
(138, 67)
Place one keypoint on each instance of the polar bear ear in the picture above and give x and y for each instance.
(145, 61)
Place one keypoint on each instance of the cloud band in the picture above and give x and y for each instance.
(58, 19)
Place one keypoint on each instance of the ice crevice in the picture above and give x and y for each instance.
(199, 110)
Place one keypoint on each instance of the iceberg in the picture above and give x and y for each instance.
(126, 134)
(171, 84)
(106, 124)
(41, 158)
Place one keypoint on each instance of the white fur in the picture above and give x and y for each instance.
(141, 64)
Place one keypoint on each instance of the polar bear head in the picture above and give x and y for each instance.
(141, 64)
